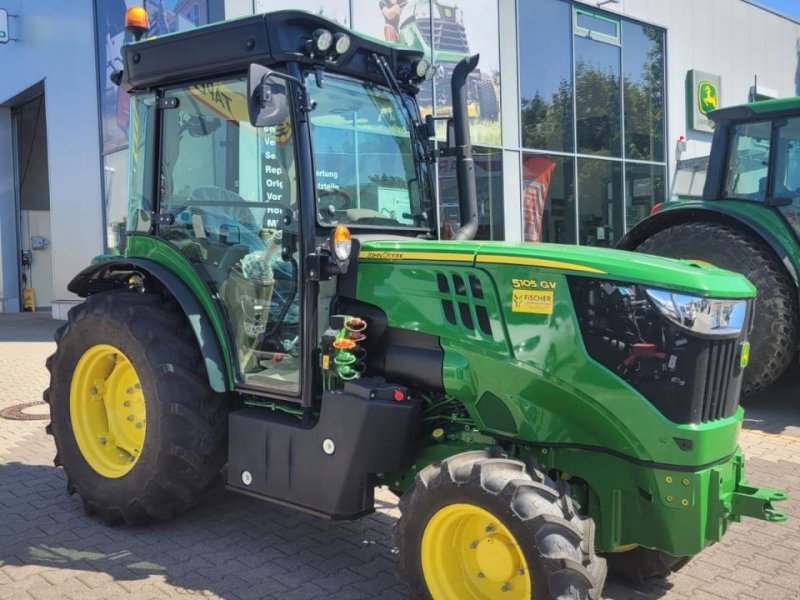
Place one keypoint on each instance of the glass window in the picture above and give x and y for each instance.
(458, 30)
(545, 66)
(548, 198)
(489, 186)
(596, 25)
(643, 57)
(645, 185)
(598, 98)
(748, 162)
(401, 22)
(600, 201)
(227, 186)
(786, 177)
(140, 205)
(367, 170)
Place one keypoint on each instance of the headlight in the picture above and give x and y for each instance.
(703, 316)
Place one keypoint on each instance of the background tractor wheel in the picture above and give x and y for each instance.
(478, 527)
(640, 564)
(774, 337)
(137, 428)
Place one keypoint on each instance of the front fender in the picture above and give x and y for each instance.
(94, 279)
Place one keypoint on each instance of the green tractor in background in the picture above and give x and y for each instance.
(740, 210)
(284, 319)
(439, 24)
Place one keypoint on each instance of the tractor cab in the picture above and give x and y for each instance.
(757, 156)
(258, 147)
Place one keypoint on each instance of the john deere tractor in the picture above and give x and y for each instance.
(740, 210)
(285, 320)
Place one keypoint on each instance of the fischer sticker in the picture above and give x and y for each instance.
(539, 302)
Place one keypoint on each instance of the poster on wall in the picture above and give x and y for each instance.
(336, 10)
(446, 31)
(166, 16)
(537, 173)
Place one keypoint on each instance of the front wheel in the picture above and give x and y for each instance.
(137, 428)
(479, 528)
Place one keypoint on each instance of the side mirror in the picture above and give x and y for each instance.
(266, 97)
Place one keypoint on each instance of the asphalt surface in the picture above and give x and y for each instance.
(232, 547)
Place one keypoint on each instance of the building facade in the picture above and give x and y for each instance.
(577, 109)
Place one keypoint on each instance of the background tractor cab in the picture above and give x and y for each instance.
(739, 209)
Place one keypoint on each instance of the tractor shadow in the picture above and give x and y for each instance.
(777, 409)
(231, 546)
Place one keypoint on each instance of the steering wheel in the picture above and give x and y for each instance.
(343, 203)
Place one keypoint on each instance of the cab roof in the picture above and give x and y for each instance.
(229, 47)
(755, 109)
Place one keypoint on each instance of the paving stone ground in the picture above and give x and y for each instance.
(232, 547)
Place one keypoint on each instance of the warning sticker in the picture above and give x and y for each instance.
(530, 301)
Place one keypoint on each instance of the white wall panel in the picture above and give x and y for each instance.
(57, 45)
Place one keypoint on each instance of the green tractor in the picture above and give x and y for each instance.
(740, 210)
(284, 319)
(440, 24)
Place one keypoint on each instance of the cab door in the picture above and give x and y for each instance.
(228, 193)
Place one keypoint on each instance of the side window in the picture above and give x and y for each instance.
(226, 186)
(140, 205)
(786, 176)
(748, 162)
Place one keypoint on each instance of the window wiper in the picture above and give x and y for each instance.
(394, 86)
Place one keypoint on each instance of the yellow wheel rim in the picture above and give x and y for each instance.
(107, 410)
(468, 553)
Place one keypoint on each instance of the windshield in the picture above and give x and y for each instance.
(367, 171)
(748, 161)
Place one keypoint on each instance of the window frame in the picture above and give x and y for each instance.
(598, 36)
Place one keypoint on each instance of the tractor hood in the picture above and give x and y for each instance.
(604, 263)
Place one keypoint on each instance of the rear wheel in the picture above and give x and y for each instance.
(640, 564)
(137, 429)
(475, 527)
(774, 336)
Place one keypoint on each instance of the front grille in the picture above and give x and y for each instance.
(687, 378)
(719, 400)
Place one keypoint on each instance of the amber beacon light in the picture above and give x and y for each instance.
(136, 22)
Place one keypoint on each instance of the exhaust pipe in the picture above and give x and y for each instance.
(465, 166)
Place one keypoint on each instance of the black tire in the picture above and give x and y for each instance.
(556, 542)
(185, 439)
(773, 339)
(487, 98)
(640, 564)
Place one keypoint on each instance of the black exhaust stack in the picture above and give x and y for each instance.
(465, 166)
